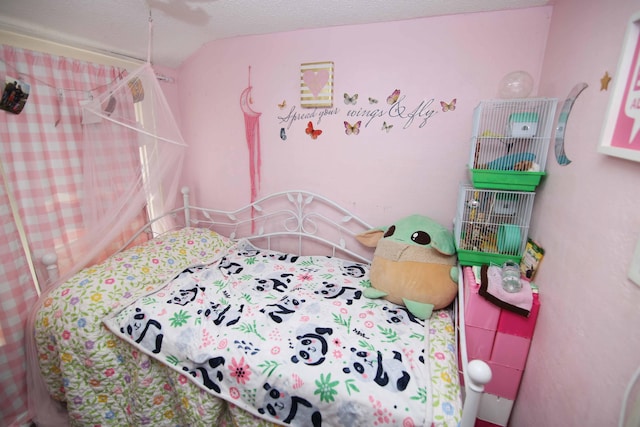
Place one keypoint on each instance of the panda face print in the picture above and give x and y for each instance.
(310, 350)
(184, 296)
(353, 270)
(400, 315)
(229, 267)
(279, 283)
(333, 291)
(364, 365)
(311, 347)
(371, 366)
(329, 290)
(289, 409)
(282, 310)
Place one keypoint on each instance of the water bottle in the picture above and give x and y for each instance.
(511, 277)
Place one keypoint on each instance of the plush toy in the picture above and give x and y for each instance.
(414, 264)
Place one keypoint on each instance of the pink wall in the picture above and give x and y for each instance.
(381, 176)
(585, 348)
(586, 216)
(170, 89)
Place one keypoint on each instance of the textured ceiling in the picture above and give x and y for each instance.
(180, 27)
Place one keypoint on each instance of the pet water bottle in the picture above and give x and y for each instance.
(511, 277)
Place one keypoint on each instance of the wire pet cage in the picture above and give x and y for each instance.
(491, 226)
(510, 143)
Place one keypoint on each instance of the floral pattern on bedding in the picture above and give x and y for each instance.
(102, 379)
(292, 340)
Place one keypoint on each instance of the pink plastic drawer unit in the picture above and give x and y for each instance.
(478, 312)
(504, 382)
(483, 423)
(502, 339)
(479, 342)
(510, 350)
(514, 324)
(494, 411)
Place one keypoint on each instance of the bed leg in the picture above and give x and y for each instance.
(478, 374)
(50, 261)
(185, 204)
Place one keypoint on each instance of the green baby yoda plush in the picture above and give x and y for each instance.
(414, 264)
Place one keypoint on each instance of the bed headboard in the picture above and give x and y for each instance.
(294, 221)
(297, 221)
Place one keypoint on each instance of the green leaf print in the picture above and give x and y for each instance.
(340, 321)
(172, 360)
(367, 345)
(249, 328)
(365, 283)
(421, 396)
(179, 319)
(247, 297)
(148, 300)
(326, 388)
(389, 334)
(251, 260)
(351, 386)
(417, 336)
(268, 366)
(370, 305)
(307, 262)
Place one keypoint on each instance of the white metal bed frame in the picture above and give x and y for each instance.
(302, 216)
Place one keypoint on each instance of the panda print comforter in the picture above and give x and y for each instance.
(292, 340)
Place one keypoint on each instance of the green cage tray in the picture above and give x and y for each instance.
(506, 180)
(466, 257)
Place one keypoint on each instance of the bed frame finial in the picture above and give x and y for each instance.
(478, 374)
(50, 260)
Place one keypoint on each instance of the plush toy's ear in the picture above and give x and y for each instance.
(370, 238)
(443, 242)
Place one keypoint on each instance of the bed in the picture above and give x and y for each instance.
(250, 317)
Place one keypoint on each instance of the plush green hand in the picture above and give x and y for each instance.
(419, 309)
(374, 293)
(454, 273)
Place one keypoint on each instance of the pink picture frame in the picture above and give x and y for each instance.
(621, 130)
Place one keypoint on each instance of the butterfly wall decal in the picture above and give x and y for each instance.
(393, 98)
(313, 133)
(352, 129)
(386, 127)
(448, 107)
(350, 99)
(283, 104)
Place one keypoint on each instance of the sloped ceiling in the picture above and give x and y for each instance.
(180, 27)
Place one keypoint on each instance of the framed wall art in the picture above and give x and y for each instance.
(316, 84)
(621, 131)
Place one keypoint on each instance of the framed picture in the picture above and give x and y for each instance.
(621, 131)
(316, 84)
(14, 95)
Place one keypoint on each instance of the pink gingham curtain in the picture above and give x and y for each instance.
(45, 163)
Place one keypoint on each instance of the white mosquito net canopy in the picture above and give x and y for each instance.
(132, 153)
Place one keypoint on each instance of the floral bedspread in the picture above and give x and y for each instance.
(290, 339)
(105, 381)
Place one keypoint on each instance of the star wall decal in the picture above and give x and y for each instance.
(604, 81)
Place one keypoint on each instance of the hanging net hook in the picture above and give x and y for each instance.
(150, 36)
